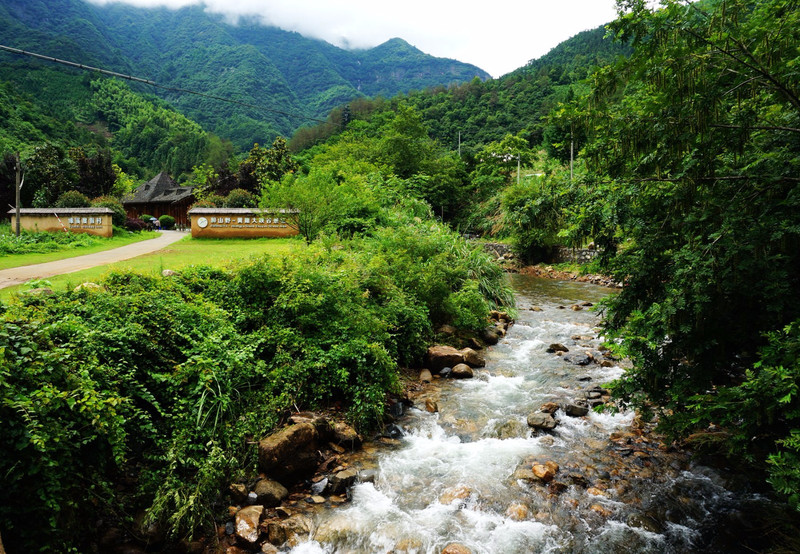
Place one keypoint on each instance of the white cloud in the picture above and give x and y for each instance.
(497, 36)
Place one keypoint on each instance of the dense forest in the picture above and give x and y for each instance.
(684, 123)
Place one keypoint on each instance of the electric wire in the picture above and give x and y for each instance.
(154, 84)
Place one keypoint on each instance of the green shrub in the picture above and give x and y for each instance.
(166, 221)
(118, 218)
(72, 199)
(240, 198)
(146, 218)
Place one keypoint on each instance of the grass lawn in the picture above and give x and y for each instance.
(185, 252)
(18, 260)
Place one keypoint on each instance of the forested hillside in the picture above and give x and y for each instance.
(291, 77)
(517, 103)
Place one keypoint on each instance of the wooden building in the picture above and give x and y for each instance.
(159, 196)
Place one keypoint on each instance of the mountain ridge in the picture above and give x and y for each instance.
(191, 49)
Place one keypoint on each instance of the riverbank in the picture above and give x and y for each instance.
(549, 272)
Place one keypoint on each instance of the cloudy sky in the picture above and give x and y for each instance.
(496, 35)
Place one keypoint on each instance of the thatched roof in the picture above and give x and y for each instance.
(161, 189)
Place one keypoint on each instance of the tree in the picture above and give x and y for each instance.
(96, 175)
(49, 172)
(695, 199)
(266, 165)
(406, 145)
(312, 201)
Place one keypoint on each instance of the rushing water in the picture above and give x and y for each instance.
(462, 475)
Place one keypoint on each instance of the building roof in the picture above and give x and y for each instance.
(161, 189)
(61, 211)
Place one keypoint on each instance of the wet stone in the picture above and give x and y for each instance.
(557, 347)
(578, 358)
(575, 410)
(539, 420)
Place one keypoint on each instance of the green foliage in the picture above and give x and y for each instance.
(29, 242)
(692, 195)
(168, 380)
(72, 199)
(166, 221)
(239, 198)
(533, 214)
(119, 217)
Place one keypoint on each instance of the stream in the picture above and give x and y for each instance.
(463, 475)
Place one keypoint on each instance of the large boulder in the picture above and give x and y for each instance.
(291, 453)
(438, 357)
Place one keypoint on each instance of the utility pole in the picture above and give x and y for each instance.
(571, 149)
(18, 169)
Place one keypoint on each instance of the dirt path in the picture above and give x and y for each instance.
(19, 275)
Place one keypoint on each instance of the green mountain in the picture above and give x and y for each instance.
(479, 112)
(290, 77)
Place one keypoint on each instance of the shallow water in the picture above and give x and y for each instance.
(459, 476)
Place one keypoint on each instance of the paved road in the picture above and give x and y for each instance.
(19, 275)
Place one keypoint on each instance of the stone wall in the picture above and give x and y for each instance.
(563, 254)
(240, 223)
(93, 221)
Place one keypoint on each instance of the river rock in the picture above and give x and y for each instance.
(431, 406)
(546, 471)
(576, 410)
(578, 358)
(439, 357)
(456, 548)
(447, 330)
(510, 429)
(268, 548)
(346, 435)
(270, 493)
(539, 420)
(549, 408)
(238, 493)
(247, 520)
(320, 486)
(291, 453)
(472, 358)
(490, 336)
(462, 371)
(474, 344)
(276, 533)
(459, 492)
(425, 376)
(341, 481)
(557, 347)
(517, 512)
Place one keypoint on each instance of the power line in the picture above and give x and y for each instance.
(154, 84)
